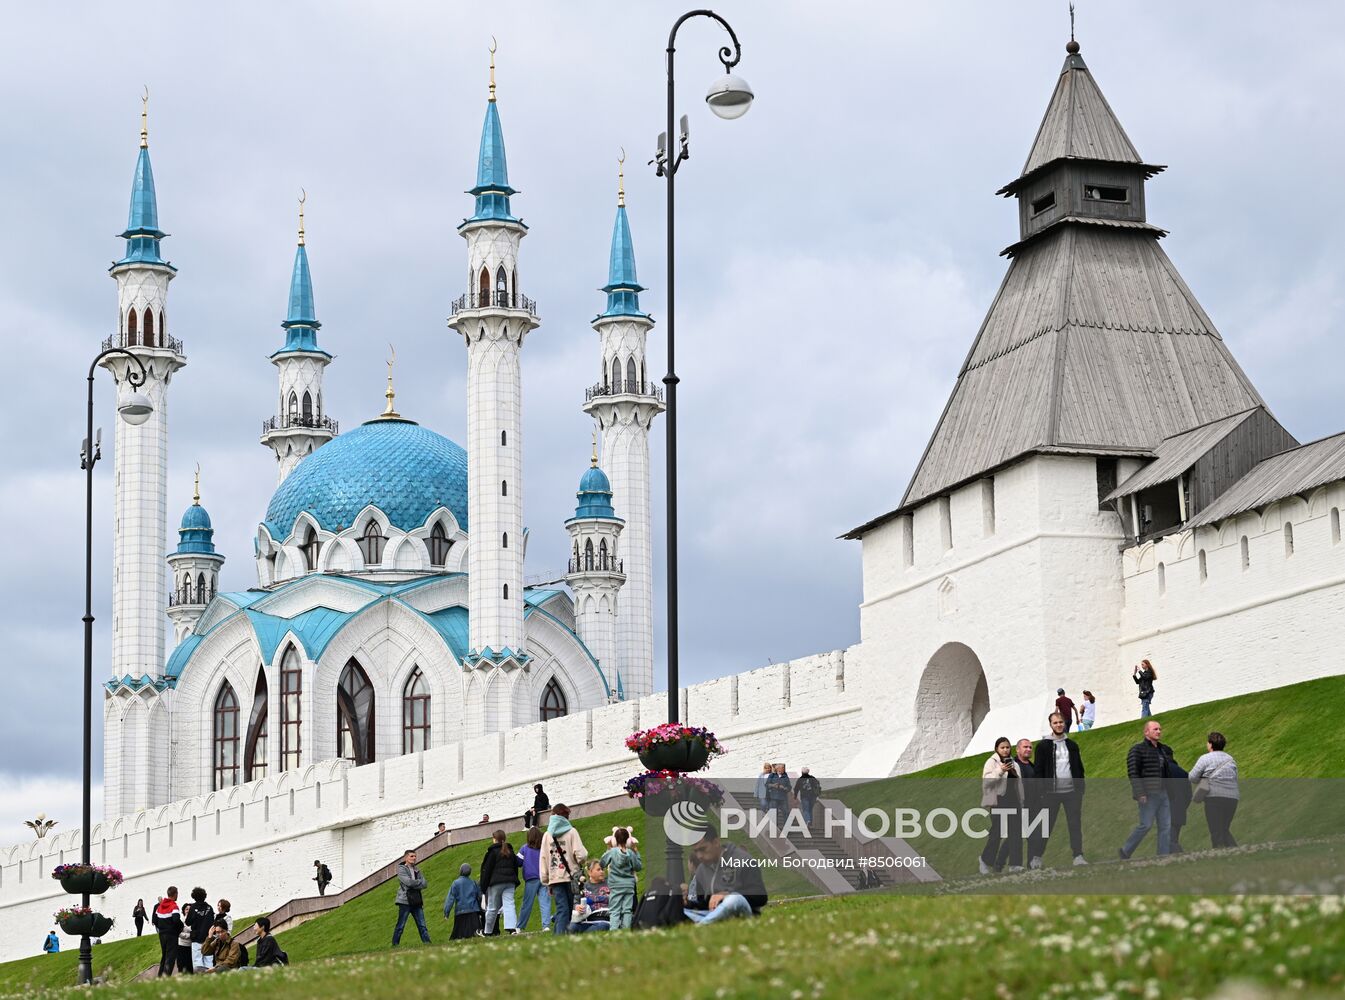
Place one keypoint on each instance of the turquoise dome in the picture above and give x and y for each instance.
(595, 495)
(196, 534)
(195, 518)
(405, 470)
(595, 481)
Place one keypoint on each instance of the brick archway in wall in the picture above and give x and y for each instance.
(951, 702)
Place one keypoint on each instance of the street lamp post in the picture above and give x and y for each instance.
(134, 409)
(729, 97)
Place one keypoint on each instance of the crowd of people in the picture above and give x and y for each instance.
(777, 793)
(197, 938)
(1026, 787)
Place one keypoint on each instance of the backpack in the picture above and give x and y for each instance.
(243, 958)
(659, 907)
(325, 874)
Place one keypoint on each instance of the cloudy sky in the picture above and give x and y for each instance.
(837, 249)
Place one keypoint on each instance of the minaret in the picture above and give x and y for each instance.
(624, 404)
(301, 425)
(193, 568)
(139, 588)
(493, 317)
(595, 572)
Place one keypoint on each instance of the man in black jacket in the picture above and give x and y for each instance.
(168, 922)
(727, 882)
(1059, 772)
(1149, 766)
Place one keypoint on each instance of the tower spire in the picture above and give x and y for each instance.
(391, 394)
(144, 119)
(303, 197)
(196, 488)
(621, 179)
(492, 188)
(493, 46)
(1072, 47)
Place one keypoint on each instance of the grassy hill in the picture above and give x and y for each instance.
(856, 944)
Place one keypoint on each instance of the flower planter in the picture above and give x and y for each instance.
(92, 924)
(681, 755)
(93, 882)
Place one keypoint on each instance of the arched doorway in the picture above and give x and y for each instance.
(951, 703)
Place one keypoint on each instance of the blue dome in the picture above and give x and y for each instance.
(195, 517)
(405, 470)
(595, 495)
(595, 481)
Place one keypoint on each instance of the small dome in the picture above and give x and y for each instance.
(195, 518)
(595, 495)
(405, 470)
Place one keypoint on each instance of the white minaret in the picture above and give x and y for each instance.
(595, 572)
(493, 317)
(139, 588)
(193, 568)
(624, 404)
(301, 425)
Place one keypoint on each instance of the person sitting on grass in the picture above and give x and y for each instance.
(464, 899)
(592, 911)
(727, 882)
(622, 861)
(220, 945)
(268, 952)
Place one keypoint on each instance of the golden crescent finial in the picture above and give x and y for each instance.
(391, 394)
(196, 491)
(303, 197)
(594, 459)
(621, 179)
(493, 47)
(144, 118)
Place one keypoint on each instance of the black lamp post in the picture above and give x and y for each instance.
(729, 97)
(134, 409)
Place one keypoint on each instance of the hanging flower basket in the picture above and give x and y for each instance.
(80, 920)
(81, 878)
(656, 791)
(675, 747)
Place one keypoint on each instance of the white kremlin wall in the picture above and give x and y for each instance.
(255, 844)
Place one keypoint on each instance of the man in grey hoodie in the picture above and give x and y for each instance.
(410, 899)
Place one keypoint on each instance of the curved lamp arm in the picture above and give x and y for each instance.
(137, 379)
(730, 57)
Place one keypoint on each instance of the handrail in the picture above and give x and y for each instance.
(163, 342)
(623, 387)
(493, 300)
(286, 421)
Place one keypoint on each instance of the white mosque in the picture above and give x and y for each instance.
(390, 613)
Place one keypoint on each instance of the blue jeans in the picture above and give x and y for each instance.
(1154, 807)
(1145, 711)
(562, 898)
(500, 898)
(404, 911)
(732, 905)
(534, 890)
(1085, 725)
(807, 803)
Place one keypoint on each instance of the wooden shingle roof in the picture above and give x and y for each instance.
(1297, 471)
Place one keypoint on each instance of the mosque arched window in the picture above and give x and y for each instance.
(588, 554)
(483, 288)
(504, 487)
(311, 549)
(291, 691)
(371, 543)
(225, 749)
(616, 374)
(254, 747)
(602, 554)
(307, 408)
(501, 287)
(630, 375)
(438, 544)
(293, 407)
(200, 588)
(184, 595)
(355, 716)
(149, 327)
(553, 701)
(504, 540)
(415, 714)
(132, 332)
(506, 592)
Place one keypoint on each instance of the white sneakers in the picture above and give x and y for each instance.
(985, 868)
(1034, 864)
(1015, 868)
(1079, 859)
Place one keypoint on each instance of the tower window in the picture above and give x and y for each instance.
(1099, 192)
(504, 540)
(504, 488)
(1204, 567)
(291, 689)
(1162, 579)
(293, 407)
(506, 591)
(200, 588)
(616, 374)
(553, 702)
(504, 438)
(311, 548)
(602, 555)
(308, 408)
(226, 738)
(416, 714)
(988, 506)
(483, 288)
(1246, 553)
(438, 545)
(1043, 203)
(1335, 525)
(630, 375)
(501, 287)
(149, 327)
(1288, 539)
(132, 332)
(588, 554)
(371, 543)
